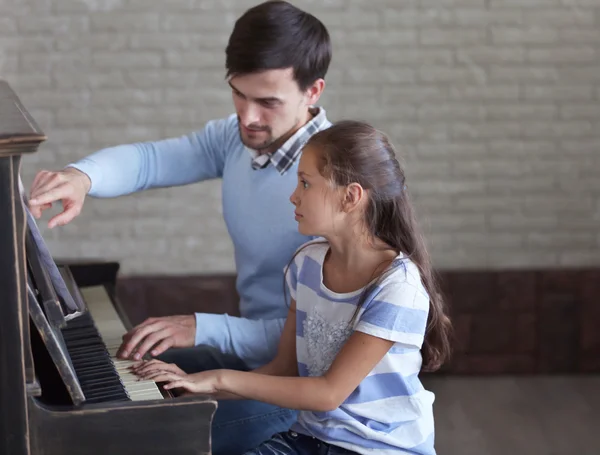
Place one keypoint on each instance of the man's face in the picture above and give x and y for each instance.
(270, 107)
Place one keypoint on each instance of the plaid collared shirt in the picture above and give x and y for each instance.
(288, 153)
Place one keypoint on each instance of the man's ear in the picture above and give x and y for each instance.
(353, 196)
(313, 93)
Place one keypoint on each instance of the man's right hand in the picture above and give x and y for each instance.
(70, 186)
(157, 335)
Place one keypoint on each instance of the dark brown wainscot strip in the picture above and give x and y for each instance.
(505, 322)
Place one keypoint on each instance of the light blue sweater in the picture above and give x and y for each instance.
(257, 212)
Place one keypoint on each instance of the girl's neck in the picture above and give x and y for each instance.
(359, 252)
(351, 264)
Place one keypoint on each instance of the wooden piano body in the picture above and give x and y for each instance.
(44, 407)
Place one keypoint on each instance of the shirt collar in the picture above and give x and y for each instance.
(284, 157)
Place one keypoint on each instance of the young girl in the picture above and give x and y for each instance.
(365, 315)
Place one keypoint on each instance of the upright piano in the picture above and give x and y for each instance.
(62, 390)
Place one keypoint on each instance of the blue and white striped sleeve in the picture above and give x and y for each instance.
(291, 276)
(292, 269)
(398, 312)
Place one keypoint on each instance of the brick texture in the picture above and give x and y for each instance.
(492, 103)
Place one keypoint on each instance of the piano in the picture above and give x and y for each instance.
(62, 391)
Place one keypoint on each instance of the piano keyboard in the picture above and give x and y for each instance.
(111, 330)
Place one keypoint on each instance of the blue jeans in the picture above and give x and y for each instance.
(292, 443)
(238, 425)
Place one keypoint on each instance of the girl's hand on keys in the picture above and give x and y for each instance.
(206, 382)
(156, 369)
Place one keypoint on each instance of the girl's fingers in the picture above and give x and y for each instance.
(150, 367)
(143, 364)
(160, 376)
(168, 377)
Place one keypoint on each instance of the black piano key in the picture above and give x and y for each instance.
(101, 388)
(104, 388)
(84, 367)
(111, 398)
(103, 381)
(90, 352)
(95, 371)
(86, 378)
(98, 350)
(89, 355)
(84, 342)
(82, 362)
(83, 332)
(95, 390)
(89, 362)
(107, 373)
(107, 392)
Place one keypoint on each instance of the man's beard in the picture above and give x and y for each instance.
(261, 146)
(269, 141)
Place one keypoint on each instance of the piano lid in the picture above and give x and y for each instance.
(16, 124)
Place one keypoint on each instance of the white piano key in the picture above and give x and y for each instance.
(111, 330)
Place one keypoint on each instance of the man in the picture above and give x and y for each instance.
(276, 61)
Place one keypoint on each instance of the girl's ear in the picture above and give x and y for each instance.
(353, 196)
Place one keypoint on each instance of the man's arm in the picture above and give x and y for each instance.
(253, 341)
(125, 169)
(284, 364)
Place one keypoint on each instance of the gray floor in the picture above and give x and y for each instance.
(536, 415)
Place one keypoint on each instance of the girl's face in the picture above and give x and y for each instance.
(318, 204)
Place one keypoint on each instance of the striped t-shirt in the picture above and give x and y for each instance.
(390, 412)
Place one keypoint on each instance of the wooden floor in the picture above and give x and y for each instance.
(537, 415)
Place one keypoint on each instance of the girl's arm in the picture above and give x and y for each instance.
(360, 354)
(284, 363)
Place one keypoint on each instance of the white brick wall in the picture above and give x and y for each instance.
(493, 103)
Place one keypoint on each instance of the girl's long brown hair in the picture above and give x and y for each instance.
(355, 152)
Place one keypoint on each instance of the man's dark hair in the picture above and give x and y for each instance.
(277, 35)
